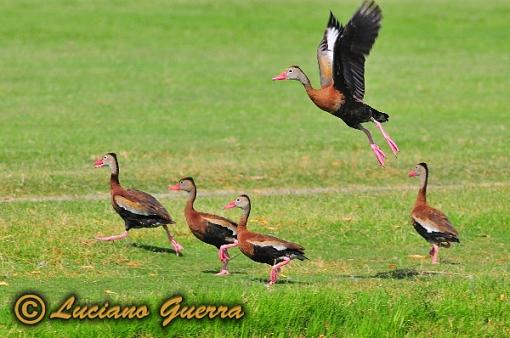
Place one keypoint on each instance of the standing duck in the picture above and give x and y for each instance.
(431, 223)
(341, 57)
(263, 248)
(210, 229)
(137, 208)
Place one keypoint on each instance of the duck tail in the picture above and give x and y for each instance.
(379, 116)
(301, 256)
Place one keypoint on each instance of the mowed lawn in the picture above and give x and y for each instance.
(180, 89)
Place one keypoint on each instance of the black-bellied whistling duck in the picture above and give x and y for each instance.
(210, 229)
(341, 56)
(263, 248)
(431, 223)
(137, 208)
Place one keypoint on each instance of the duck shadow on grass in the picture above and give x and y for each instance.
(153, 248)
(397, 274)
(446, 261)
(408, 273)
(280, 281)
(232, 272)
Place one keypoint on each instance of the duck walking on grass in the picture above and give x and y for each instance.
(137, 208)
(263, 248)
(210, 229)
(431, 223)
(341, 57)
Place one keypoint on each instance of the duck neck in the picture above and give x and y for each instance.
(305, 81)
(422, 193)
(244, 218)
(192, 195)
(114, 178)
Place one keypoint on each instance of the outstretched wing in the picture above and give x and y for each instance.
(325, 50)
(351, 48)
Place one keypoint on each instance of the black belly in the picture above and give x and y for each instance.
(216, 235)
(353, 113)
(439, 238)
(271, 256)
(135, 221)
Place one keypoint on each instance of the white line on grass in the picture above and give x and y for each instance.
(352, 189)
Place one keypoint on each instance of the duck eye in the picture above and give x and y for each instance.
(181, 182)
(104, 158)
(290, 70)
(238, 200)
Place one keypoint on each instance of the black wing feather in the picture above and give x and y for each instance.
(440, 238)
(333, 23)
(352, 47)
(271, 256)
(218, 235)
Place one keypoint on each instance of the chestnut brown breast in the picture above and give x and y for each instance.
(327, 98)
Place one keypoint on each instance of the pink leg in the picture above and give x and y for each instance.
(177, 247)
(273, 276)
(224, 257)
(391, 143)
(224, 269)
(434, 253)
(379, 154)
(274, 273)
(223, 252)
(113, 238)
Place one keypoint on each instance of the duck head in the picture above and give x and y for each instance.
(242, 202)
(420, 170)
(186, 184)
(109, 159)
(292, 73)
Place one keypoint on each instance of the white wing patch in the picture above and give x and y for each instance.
(276, 245)
(331, 36)
(427, 225)
(130, 206)
(222, 223)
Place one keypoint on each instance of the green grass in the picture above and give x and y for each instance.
(179, 89)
